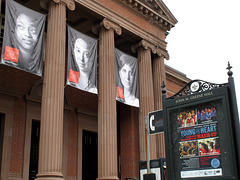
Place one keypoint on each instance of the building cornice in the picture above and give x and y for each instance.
(154, 10)
(123, 22)
(176, 74)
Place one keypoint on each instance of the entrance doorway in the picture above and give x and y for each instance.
(89, 156)
(33, 167)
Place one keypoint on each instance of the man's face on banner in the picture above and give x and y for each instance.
(81, 54)
(126, 76)
(25, 32)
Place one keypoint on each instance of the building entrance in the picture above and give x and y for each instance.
(33, 167)
(89, 156)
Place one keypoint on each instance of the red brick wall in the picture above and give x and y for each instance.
(17, 82)
(173, 85)
(129, 142)
(132, 16)
(72, 146)
(17, 149)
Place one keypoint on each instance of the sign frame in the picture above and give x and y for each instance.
(193, 99)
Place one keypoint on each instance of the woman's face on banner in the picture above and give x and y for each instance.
(81, 54)
(126, 76)
(26, 32)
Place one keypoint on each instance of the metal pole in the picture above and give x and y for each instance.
(147, 144)
(234, 111)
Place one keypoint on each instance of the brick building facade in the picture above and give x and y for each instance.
(53, 131)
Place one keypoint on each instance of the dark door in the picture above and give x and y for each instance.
(33, 168)
(89, 156)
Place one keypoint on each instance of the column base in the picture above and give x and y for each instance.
(49, 176)
(108, 178)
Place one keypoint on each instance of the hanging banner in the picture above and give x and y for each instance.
(82, 61)
(126, 78)
(23, 38)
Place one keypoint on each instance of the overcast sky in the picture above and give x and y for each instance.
(205, 38)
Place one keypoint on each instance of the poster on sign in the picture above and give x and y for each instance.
(126, 68)
(82, 61)
(23, 38)
(199, 146)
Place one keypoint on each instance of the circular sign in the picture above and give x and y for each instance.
(215, 163)
(194, 86)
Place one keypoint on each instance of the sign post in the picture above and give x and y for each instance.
(149, 175)
(147, 144)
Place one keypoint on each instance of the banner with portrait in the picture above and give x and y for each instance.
(23, 38)
(126, 68)
(82, 61)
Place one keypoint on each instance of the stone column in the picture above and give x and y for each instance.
(146, 96)
(159, 75)
(51, 131)
(107, 120)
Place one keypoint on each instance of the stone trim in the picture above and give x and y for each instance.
(154, 13)
(164, 53)
(124, 23)
(154, 48)
(69, 3)
(145, 45)
(107, 24)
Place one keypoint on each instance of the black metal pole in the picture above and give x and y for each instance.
(165, 121)
(234, 112)
(164, 92)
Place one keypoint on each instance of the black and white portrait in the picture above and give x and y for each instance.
(82, 61)
(23, 38)
(126, 78)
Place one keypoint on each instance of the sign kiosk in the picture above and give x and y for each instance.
(201, 128)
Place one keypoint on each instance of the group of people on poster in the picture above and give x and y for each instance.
(207, 113)
(201, 147)
(196, 116)
(23, 49)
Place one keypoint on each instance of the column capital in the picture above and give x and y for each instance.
(164, 53)
(145, 45)
(69, 3)
(107, 24)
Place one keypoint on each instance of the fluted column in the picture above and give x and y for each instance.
(159, 75)
(146, 97)
(107, 120)
(51, 131)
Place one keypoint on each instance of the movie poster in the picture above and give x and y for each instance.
(23, 38)
(126, 78)
(199, 146)
(82, 61)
